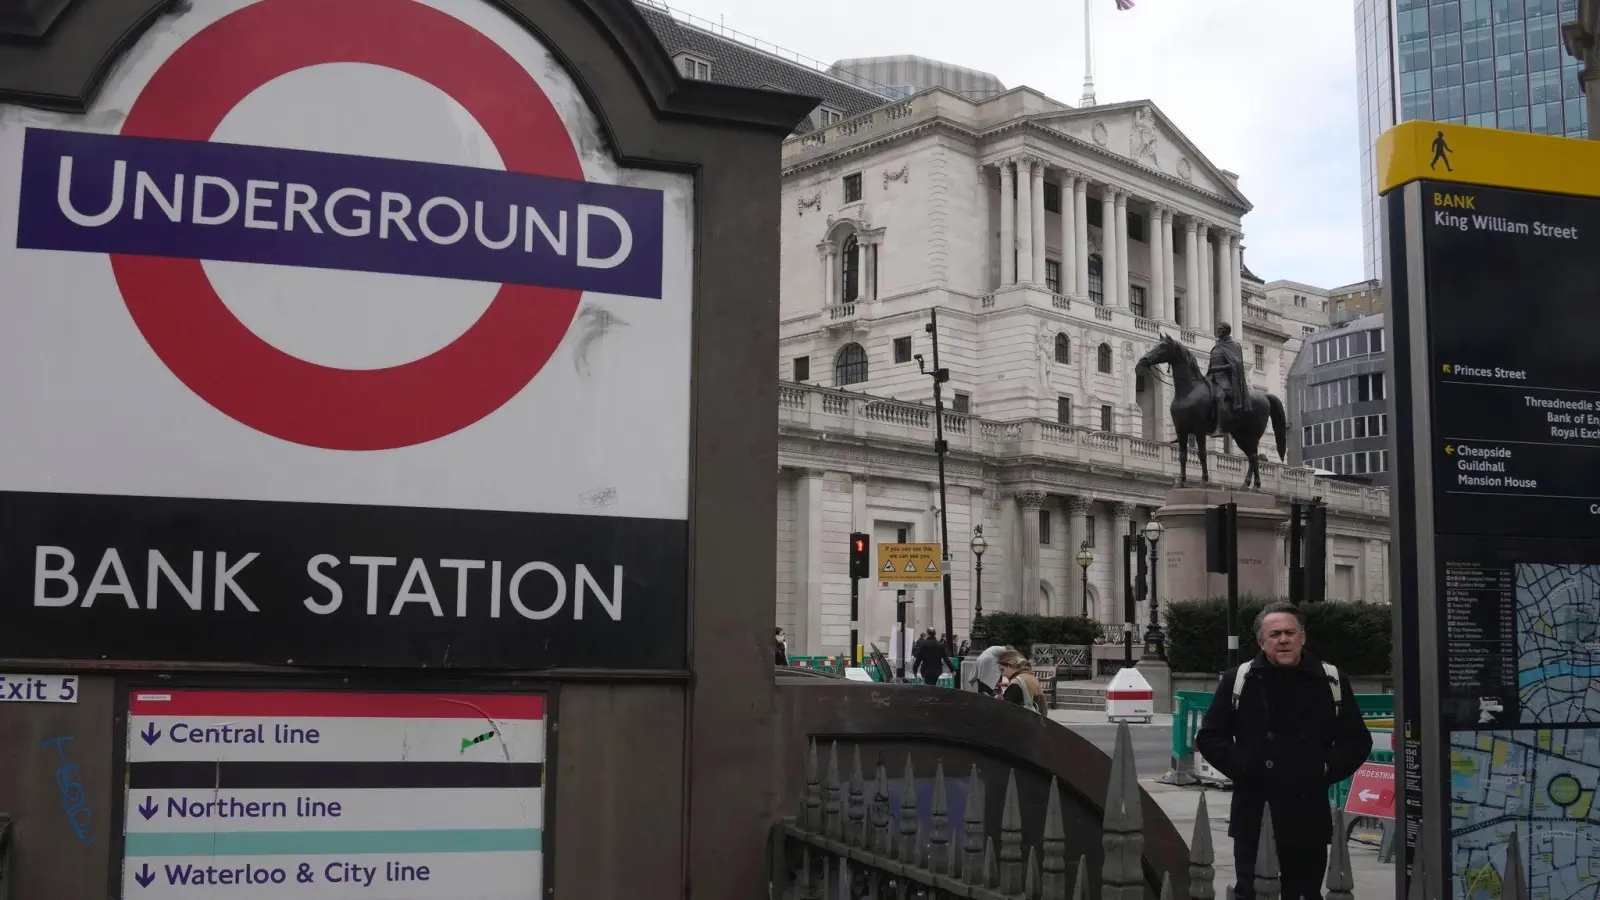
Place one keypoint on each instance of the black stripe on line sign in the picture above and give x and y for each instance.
(156, 776)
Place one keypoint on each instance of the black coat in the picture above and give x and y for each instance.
(929, 656)
(1283, 743)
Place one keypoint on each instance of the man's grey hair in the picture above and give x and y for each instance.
(1273, 608)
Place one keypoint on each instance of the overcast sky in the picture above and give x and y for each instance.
(1265, 88)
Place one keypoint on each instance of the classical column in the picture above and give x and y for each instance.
(1280, 556)
(1077, 532)
(1028, 504)
(1112, 608)
(1080, 233)
(859, 275)
(1168, 267)
(1191, 275)
(1122, 251)
(1208, 308)
(1108, 246)
(830, 253)
(1235, 271)
(1157, 305)
(1224, 284)
(1008, 224)
(1037, 224)
(1024, 226)
(809, 579)
(1069, 240)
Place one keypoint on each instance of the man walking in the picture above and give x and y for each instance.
(1283, 727)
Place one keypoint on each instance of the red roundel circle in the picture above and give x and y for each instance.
(178, 311)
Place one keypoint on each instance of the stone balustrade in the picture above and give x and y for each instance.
(842, 414)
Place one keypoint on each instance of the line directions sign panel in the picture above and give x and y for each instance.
(314, 794)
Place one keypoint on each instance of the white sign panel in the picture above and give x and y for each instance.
(312, 794)
(371, 264)
(38, 689)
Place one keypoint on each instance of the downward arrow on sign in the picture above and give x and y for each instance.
(148, 808)
(151, 734)
(1368, 796)
(144, 876)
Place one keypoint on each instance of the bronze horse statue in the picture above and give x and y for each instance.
(1194, 412)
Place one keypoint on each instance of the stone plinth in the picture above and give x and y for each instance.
(1183, 544)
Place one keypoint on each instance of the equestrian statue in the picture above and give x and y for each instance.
(1217, 403)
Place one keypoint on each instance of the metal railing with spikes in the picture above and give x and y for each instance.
(845, 842)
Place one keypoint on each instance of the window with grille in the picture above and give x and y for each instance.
(1052, 275)
(1096, 276)
(1088, 530)
(1044, 526)
(698, 69)
(1064, 410)
(1063, 349)
(1136, 300)
(1136, 227)
(961, 403)
(1105, 418)
(1052, 197)
(1105, 360)
(1261, 356)
(802, 368)
(902, 349)
(850, 366)
(852, 188)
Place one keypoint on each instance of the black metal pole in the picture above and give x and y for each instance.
(900, 629)
(1155, 640)
(1127, 599)
(940, 448)
(855, 612)
(1296, 576)
(1085, 589)
(1232, 531)
(978, 606)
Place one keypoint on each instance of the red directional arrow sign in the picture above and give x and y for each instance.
(1372, 792)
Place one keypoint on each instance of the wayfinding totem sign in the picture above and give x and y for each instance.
(1490, 243)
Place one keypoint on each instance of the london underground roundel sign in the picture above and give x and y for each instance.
(162, 197)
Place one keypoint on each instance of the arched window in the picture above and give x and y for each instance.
(1096, 273)
(1105, 359)
(849, 269)
(850, 366)
(1063, 349)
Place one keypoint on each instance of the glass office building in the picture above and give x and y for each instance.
(1491, 63)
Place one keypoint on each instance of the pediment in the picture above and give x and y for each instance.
(1141, 133)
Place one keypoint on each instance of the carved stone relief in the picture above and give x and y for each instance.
(1185, 169)
(812, 202)
(904, 174)
(1143, 139)
(1098, 132)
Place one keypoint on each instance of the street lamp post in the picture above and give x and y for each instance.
(1155, 640)
(978, 637)
(1085, 560)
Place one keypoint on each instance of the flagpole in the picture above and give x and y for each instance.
(1088, 56)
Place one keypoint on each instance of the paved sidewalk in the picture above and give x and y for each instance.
(1182, 805)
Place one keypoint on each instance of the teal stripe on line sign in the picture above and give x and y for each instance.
(325, 843)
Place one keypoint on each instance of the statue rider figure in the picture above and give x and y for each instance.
(1230, 390)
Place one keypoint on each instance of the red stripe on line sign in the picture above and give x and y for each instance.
(1130, 695)
(313, 704)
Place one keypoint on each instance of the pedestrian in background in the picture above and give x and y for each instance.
(985, 677)
(1283, 727)
(1023, 687)
(930, 657)
(780, 649)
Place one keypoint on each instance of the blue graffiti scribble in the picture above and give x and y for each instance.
(73, 799)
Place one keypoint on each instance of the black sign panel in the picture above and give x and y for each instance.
(168, 579)
(1515, 369)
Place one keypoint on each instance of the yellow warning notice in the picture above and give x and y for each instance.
(910, 563)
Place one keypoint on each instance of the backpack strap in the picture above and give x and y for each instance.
(1238, 682)
(1334, 686)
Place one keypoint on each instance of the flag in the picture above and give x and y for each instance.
(1124, 4)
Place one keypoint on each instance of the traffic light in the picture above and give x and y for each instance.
(860, 564)
(1316, 553)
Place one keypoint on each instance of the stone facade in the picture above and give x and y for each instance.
(1054, 438)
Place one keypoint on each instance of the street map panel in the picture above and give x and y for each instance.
(1537, 785)
(1558, 643)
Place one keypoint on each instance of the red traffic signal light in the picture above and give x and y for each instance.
(860, 565)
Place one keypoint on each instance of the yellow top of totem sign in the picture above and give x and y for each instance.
(915, 563)
(1487, 156)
